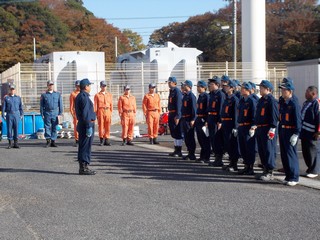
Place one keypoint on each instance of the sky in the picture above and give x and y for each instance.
(154, 13)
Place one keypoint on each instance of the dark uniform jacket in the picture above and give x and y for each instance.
(247, 110)
(84, 110)
(202, 105)
(229, 113)
(310, 119)
(216, 100)
(189, 106)
(267, 112)
(175, 102)
(12, 105)
(51, 102)
(290, 116)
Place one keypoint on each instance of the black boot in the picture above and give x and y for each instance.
(84, 170)
(173, 154)
(151, 140)
(10, 144)
(248, 170)
(217, 162)
(107, 142)
(15, 144)
(129, 142)
(190, 156)
(48, 143)
(53, 143)
(155, 141)
(123, 142)
(101, 142)
(179, 153)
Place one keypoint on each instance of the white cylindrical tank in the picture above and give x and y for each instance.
(254, 40)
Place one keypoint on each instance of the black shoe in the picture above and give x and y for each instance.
(155, 141)
(101, 142)
(53, 144)
(107, 142)
(84, 170)
(216, 163)
(246, 171)
(189, 157)
(9, 144)
(199, 160)
(48, 143)
(130, 143)
(123, 142)
(15, 144)
(151, 140)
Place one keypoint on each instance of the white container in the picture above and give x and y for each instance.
(136, 132)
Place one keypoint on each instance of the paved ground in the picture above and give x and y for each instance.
(141, 193)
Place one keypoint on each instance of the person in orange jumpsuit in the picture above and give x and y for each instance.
(72, 99)
(127, 108)
(103, 107)
(152, 109)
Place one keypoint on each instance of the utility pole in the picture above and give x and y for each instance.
(235, 38)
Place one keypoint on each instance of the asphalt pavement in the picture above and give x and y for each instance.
(140, 192)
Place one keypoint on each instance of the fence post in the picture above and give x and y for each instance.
(142, 79)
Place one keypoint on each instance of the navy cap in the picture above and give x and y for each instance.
(225, 78)
(231, 84)
(215, 79)
(287, 79)
(253, 85)
(152, 85)
(172, 79)
(50, 82)
(12, 86)
(127, 87)
(237, 82)
(287, 85)
(103, 83)
(188, 83)
(266, 84)
(202, 84)
(77, 83)
(246, 85)
(85, 82)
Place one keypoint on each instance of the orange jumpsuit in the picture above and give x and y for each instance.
(127, 108)
(152, 109)
(72, 99)
(103, 107)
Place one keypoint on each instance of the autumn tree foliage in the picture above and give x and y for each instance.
(57, 25)
(292, 28)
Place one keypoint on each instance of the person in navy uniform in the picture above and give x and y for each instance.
(289, 129)
(174, 108)
(224, 82)
(284, 81)
(237, 91)
(216, 100)
(12, 112)
(253, 91)
(51, 108)
(247, 144)
(229, 125)
(85, 127)
(310, 132)
(200, 123)
(264, 128)
(188, 116)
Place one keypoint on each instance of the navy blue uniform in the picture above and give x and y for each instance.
(247, 144)
(50, 108)
(202, 115)
(12, 111)
(174, 108)
(290, 123)
(188, 114)
(229, 120)
(309, 142)
(267, 115)
(86, 117)
(255, 97)
(216, 100)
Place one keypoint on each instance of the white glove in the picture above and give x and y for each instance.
(294, 139)
(235, 132)
(251, 132)
(271, 133)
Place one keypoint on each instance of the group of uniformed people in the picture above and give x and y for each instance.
(232, 119)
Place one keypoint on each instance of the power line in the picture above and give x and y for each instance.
(139, 18)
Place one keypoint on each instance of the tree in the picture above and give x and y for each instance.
(135, 40)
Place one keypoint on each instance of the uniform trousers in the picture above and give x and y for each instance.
(203, 140)
(85, 143)
(175, 130)
(127, 123)
(12, 126)
(104, 122)
(266, 148)
(188, 133)
(247, 145)
(289, 157)
(153, 123)
(311, 155)
(215, 136)
(230, 142)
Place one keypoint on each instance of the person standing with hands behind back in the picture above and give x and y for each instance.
(85, 127)
(12, 112)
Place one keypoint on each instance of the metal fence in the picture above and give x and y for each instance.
(31, 79)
